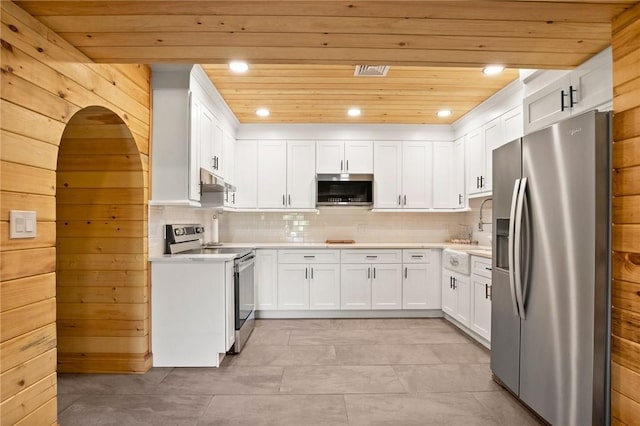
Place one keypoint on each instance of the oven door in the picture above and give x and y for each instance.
(244, 288)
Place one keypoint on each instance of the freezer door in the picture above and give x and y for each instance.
(505, 324)
(563, 293)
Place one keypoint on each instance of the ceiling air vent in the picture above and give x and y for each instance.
(371, 70)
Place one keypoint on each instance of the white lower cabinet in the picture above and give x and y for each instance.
(421, 288)
(266, 280)
(456, 296)
(293, 287)
(355, 286)
(386, 286)
(324, 286)
(481, 296)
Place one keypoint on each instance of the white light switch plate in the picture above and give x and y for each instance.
(22, 224)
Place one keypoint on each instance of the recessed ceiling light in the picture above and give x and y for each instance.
(444, 113)
(262, 112)
(238, 66)
(493, 69)
(354, 112)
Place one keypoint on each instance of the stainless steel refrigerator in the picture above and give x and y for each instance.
(551, 294)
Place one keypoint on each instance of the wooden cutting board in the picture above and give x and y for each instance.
(340, 241)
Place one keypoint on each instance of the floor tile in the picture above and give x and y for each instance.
(91, 384)
(66, 399)
(386, 354)
(340, 379)
(417, 409)
(404, 323)
(222, 381)
(461, 353)
(295, 324)
(332, 337)
(254, 355)
(135, 410)
(267, 336)
(276, 410)
(506, 409)
(446, 378)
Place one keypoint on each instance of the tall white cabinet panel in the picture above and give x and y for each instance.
(355, 287)
(358, 157)
(474, 160)
(387, 164)
(195, 143)
(458, 173)
(266, 280)
(386, 286)
(206, 124)
(301, 175)
(417, 175)
(493, 138)
(272, 174)
(512, 124)
(246, 174)
(445, 195)
(293, 287)
(228, 157)
(324, 286)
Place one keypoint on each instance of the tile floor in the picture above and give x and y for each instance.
(310, 372)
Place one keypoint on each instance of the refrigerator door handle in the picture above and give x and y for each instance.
(517, 252)
(511, 252)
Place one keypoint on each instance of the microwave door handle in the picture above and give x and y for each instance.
(511, 245)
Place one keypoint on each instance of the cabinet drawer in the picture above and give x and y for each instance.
(481, 266)
(416, 256)
(308, 256)
(371, 256)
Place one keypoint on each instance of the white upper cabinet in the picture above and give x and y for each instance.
(403, 175)
(474, 160)
(344, 157)
(272, 174)
(228, 155)
(458, 173)
(493, 138)
(286, 174)
(587, 87)
(387, 168)
(246, 174)
(301, 176)
(445, 195)
(512, 124)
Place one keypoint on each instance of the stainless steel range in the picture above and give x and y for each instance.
(187, 239)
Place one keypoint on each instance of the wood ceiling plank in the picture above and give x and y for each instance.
(332, 25)
(597, 11)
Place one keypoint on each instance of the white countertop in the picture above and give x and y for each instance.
(193, 257)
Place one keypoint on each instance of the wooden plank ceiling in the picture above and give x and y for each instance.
(316, 34)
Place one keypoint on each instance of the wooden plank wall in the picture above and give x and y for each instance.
(101, 286)
(625, 393)
(44, 82)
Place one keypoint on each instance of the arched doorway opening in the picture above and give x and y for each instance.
(101, 274)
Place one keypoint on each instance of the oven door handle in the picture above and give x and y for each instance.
(245, 263)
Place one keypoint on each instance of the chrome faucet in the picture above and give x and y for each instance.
(481, 223)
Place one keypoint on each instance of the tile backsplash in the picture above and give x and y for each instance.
(162, 215)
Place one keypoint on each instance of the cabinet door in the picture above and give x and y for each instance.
(458, 173)
(206, 138)
(512, 123)
(324, 286)
(301, 174)
(474, 150)
(272, 174)
(387, 185)
(330, 157)
(449, 296)
(463, 292)
(194, 148)
(228, 159)
(548, 105)
(355, 286)
(246, 174)
(419, 290)
(493, 138)
(386, 286)
(293, 287)
(358, 156)
(216, 150)
(593, 83)
(444, 193)
(481, 309)
(417, 175)
(266, 280)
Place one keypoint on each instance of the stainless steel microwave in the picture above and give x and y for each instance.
(343, 189)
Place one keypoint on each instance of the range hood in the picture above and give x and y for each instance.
(212, 183)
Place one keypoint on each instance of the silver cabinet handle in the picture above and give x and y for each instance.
(283, 202)
(309, 256)
(405, 271)
(312, 273)
(347, 165)
(341, 165)
(368, 273)
(289, 199)
(371, 257)
(417, 256)
(450, 282)
(306, 273)
(233, 198)
(374, 272)
(510, 253)
(454, 283)
(486, 291)
(399, 200)
(405, 200)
